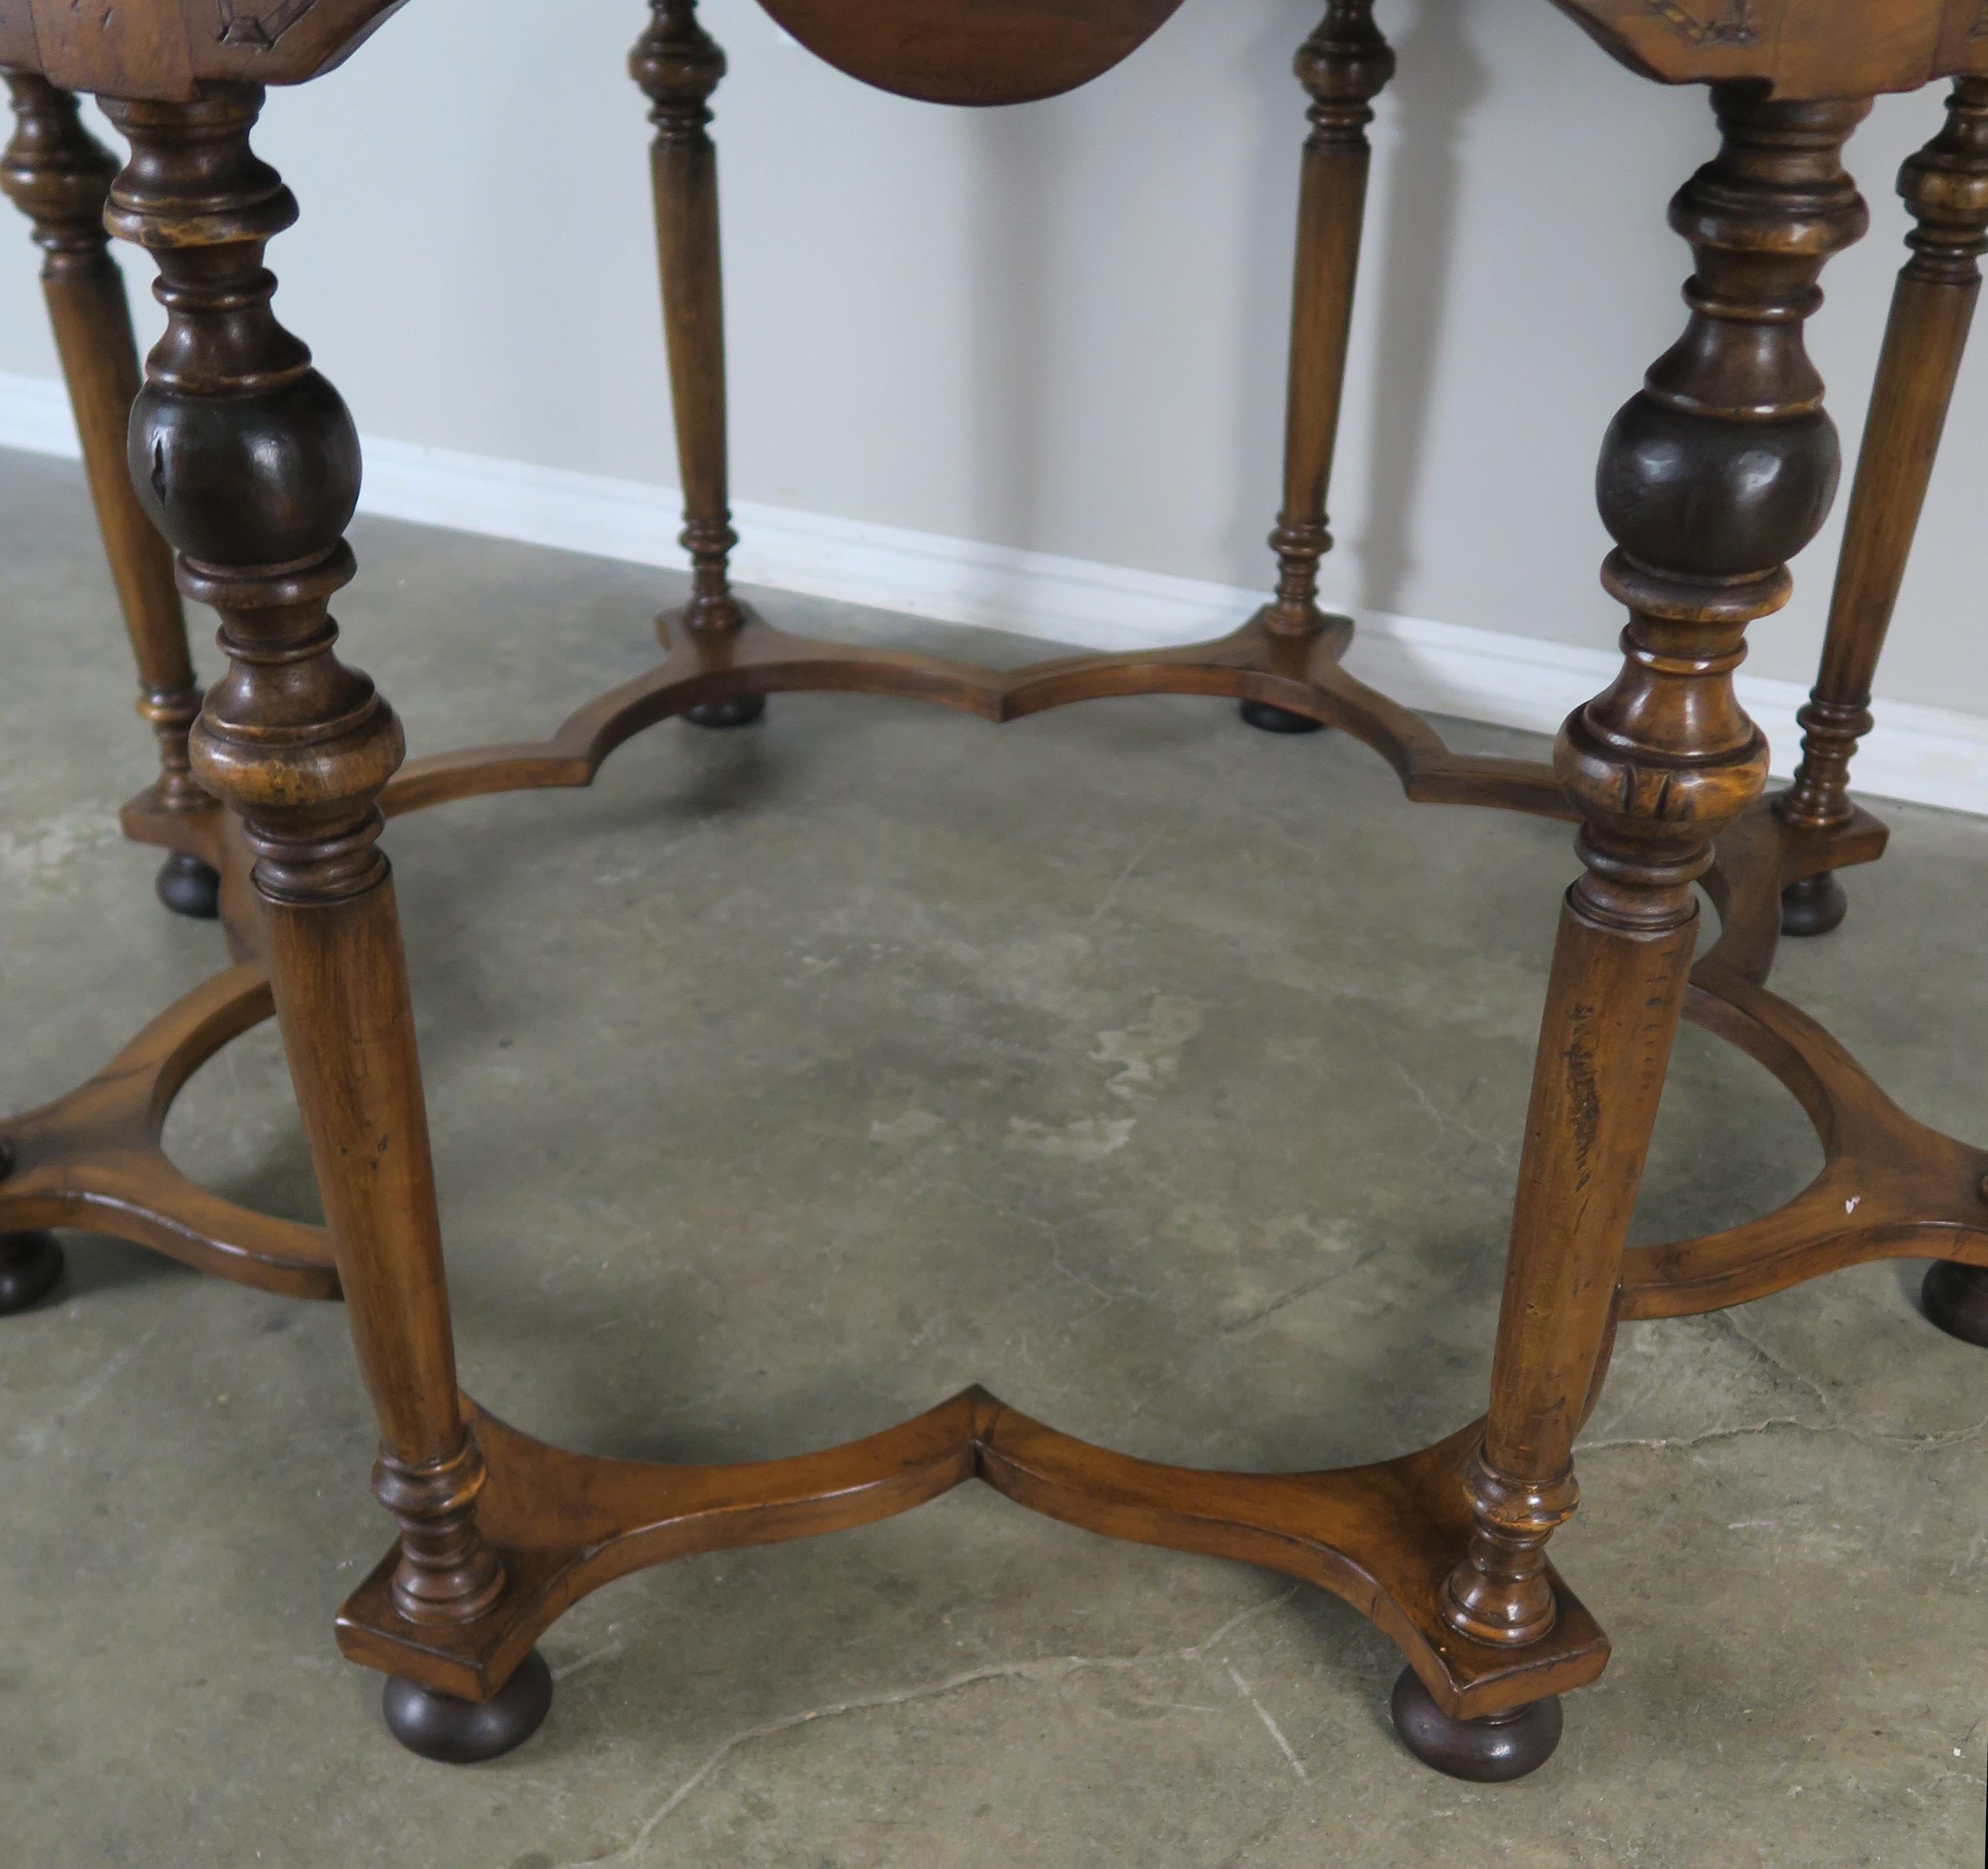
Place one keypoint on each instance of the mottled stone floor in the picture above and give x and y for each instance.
(1164, 1075)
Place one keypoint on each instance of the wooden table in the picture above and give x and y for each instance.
(273, 789)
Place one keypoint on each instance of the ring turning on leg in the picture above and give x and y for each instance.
(59, 176)
(1721, 469)
(679, 65)
(1344, 65)
(1945, 187)
(249, 461)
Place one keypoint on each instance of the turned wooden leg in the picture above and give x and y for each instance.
(59, 176)
(1946, 186)
(1344, 65)
(1721, 470)
(247, 460)
(678, 65)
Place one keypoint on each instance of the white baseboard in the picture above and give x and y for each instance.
(1927, 756)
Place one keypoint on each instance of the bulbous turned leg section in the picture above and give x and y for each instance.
(1720, 470)
(1957, 1299)
(247, 461)
(452, 1732)
(189, 888)
(1816, 905)
(30, 1264)
(1488, 1752)
(742, 712)
(1279, 720)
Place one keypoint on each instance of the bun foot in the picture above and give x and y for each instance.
(454, 1731)
(189, 888)
(1814, 906)
(30, 1263)
(1957, 1299)
(740, 713)
(1279, 720)
(1490, 1752)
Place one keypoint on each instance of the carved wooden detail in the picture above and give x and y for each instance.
(1720, 471)
(249, 461)
(1945, 187)
(164, 50)
(1733, 27)
(1711, 479)
(245, 22)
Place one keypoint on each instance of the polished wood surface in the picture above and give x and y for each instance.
(248, 463)
(166, 49)
(973, 52)
(1718, 472)
(986, 51)
(1800, 48)
(1945, 187)
(1715, 475)
(59, 176)
(1344, 66)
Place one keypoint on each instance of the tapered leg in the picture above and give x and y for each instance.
(1946, 186)
(678, 65)
(1719, 472)
(59, 176)
(1344, 65)
(247, 460)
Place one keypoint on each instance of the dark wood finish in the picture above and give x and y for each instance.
(1945, 187)
(1720, 471)
(1800, 48)
(30, 1265)
(1816, 905)
(989, 51)
(1956, 1298)
(973, 52)
(1711, 479)
(1343, 65)
(453, 1732)
(189, 888)
(59, 176)
(1493, 1751)
(166, 49)
(247, 461)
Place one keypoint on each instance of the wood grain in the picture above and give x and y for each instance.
(1375, 1536)
(1711, 480)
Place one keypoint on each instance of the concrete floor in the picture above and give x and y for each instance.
(1164, 1075)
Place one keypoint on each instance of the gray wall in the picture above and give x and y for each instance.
(1062, 326)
